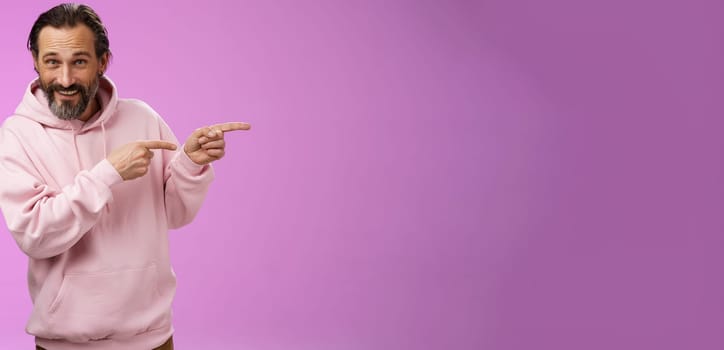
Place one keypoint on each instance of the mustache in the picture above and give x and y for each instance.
(61, 88)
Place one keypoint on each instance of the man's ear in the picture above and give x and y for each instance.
(103, 63)
(35, 63)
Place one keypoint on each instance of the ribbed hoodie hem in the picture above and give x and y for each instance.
(148, 340)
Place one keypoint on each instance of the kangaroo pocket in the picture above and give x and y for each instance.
(112, 305)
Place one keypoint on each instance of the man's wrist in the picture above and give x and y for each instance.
(187, 163)
(106, 173)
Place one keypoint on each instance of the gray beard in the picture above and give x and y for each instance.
(66, 110)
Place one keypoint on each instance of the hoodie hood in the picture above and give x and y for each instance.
(34, 106)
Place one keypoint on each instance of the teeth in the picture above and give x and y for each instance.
(68, 93)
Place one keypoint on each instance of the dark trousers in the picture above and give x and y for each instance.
(168, 345)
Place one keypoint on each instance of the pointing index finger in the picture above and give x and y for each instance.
(231, 126)
(158, 144)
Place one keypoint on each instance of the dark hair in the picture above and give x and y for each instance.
(70, 15)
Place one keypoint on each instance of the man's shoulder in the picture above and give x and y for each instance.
(134, 104)
(18, 122)
(15, 129)
(137, 108)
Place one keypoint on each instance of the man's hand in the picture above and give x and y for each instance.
(132, 160)
(206, 144)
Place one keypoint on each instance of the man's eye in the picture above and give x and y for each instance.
(79, 62)
(51, 62)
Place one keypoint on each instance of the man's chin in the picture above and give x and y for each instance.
(66, 111)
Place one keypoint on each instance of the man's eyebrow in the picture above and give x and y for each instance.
(75, 54)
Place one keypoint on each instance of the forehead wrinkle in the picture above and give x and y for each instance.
(67, 40)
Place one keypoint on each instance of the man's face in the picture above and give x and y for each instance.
(69, 69)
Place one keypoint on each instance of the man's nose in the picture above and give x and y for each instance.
(66, 76)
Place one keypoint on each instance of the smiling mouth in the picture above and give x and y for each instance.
(67, 93)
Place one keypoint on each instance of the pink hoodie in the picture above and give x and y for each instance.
(98, 272)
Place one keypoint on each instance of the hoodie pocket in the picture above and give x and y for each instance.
(116, 305)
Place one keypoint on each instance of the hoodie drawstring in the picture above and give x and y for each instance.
(103, 131)
(75, 148)
(75, 144)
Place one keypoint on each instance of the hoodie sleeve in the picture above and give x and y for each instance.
(186, 183)
(47, 221)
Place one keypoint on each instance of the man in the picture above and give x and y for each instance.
(88, 202)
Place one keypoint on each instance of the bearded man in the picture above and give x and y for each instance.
(89, 203)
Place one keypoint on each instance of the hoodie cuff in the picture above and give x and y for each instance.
(188, 164)
(106, 173)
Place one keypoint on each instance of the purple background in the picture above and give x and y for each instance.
(431, 174)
